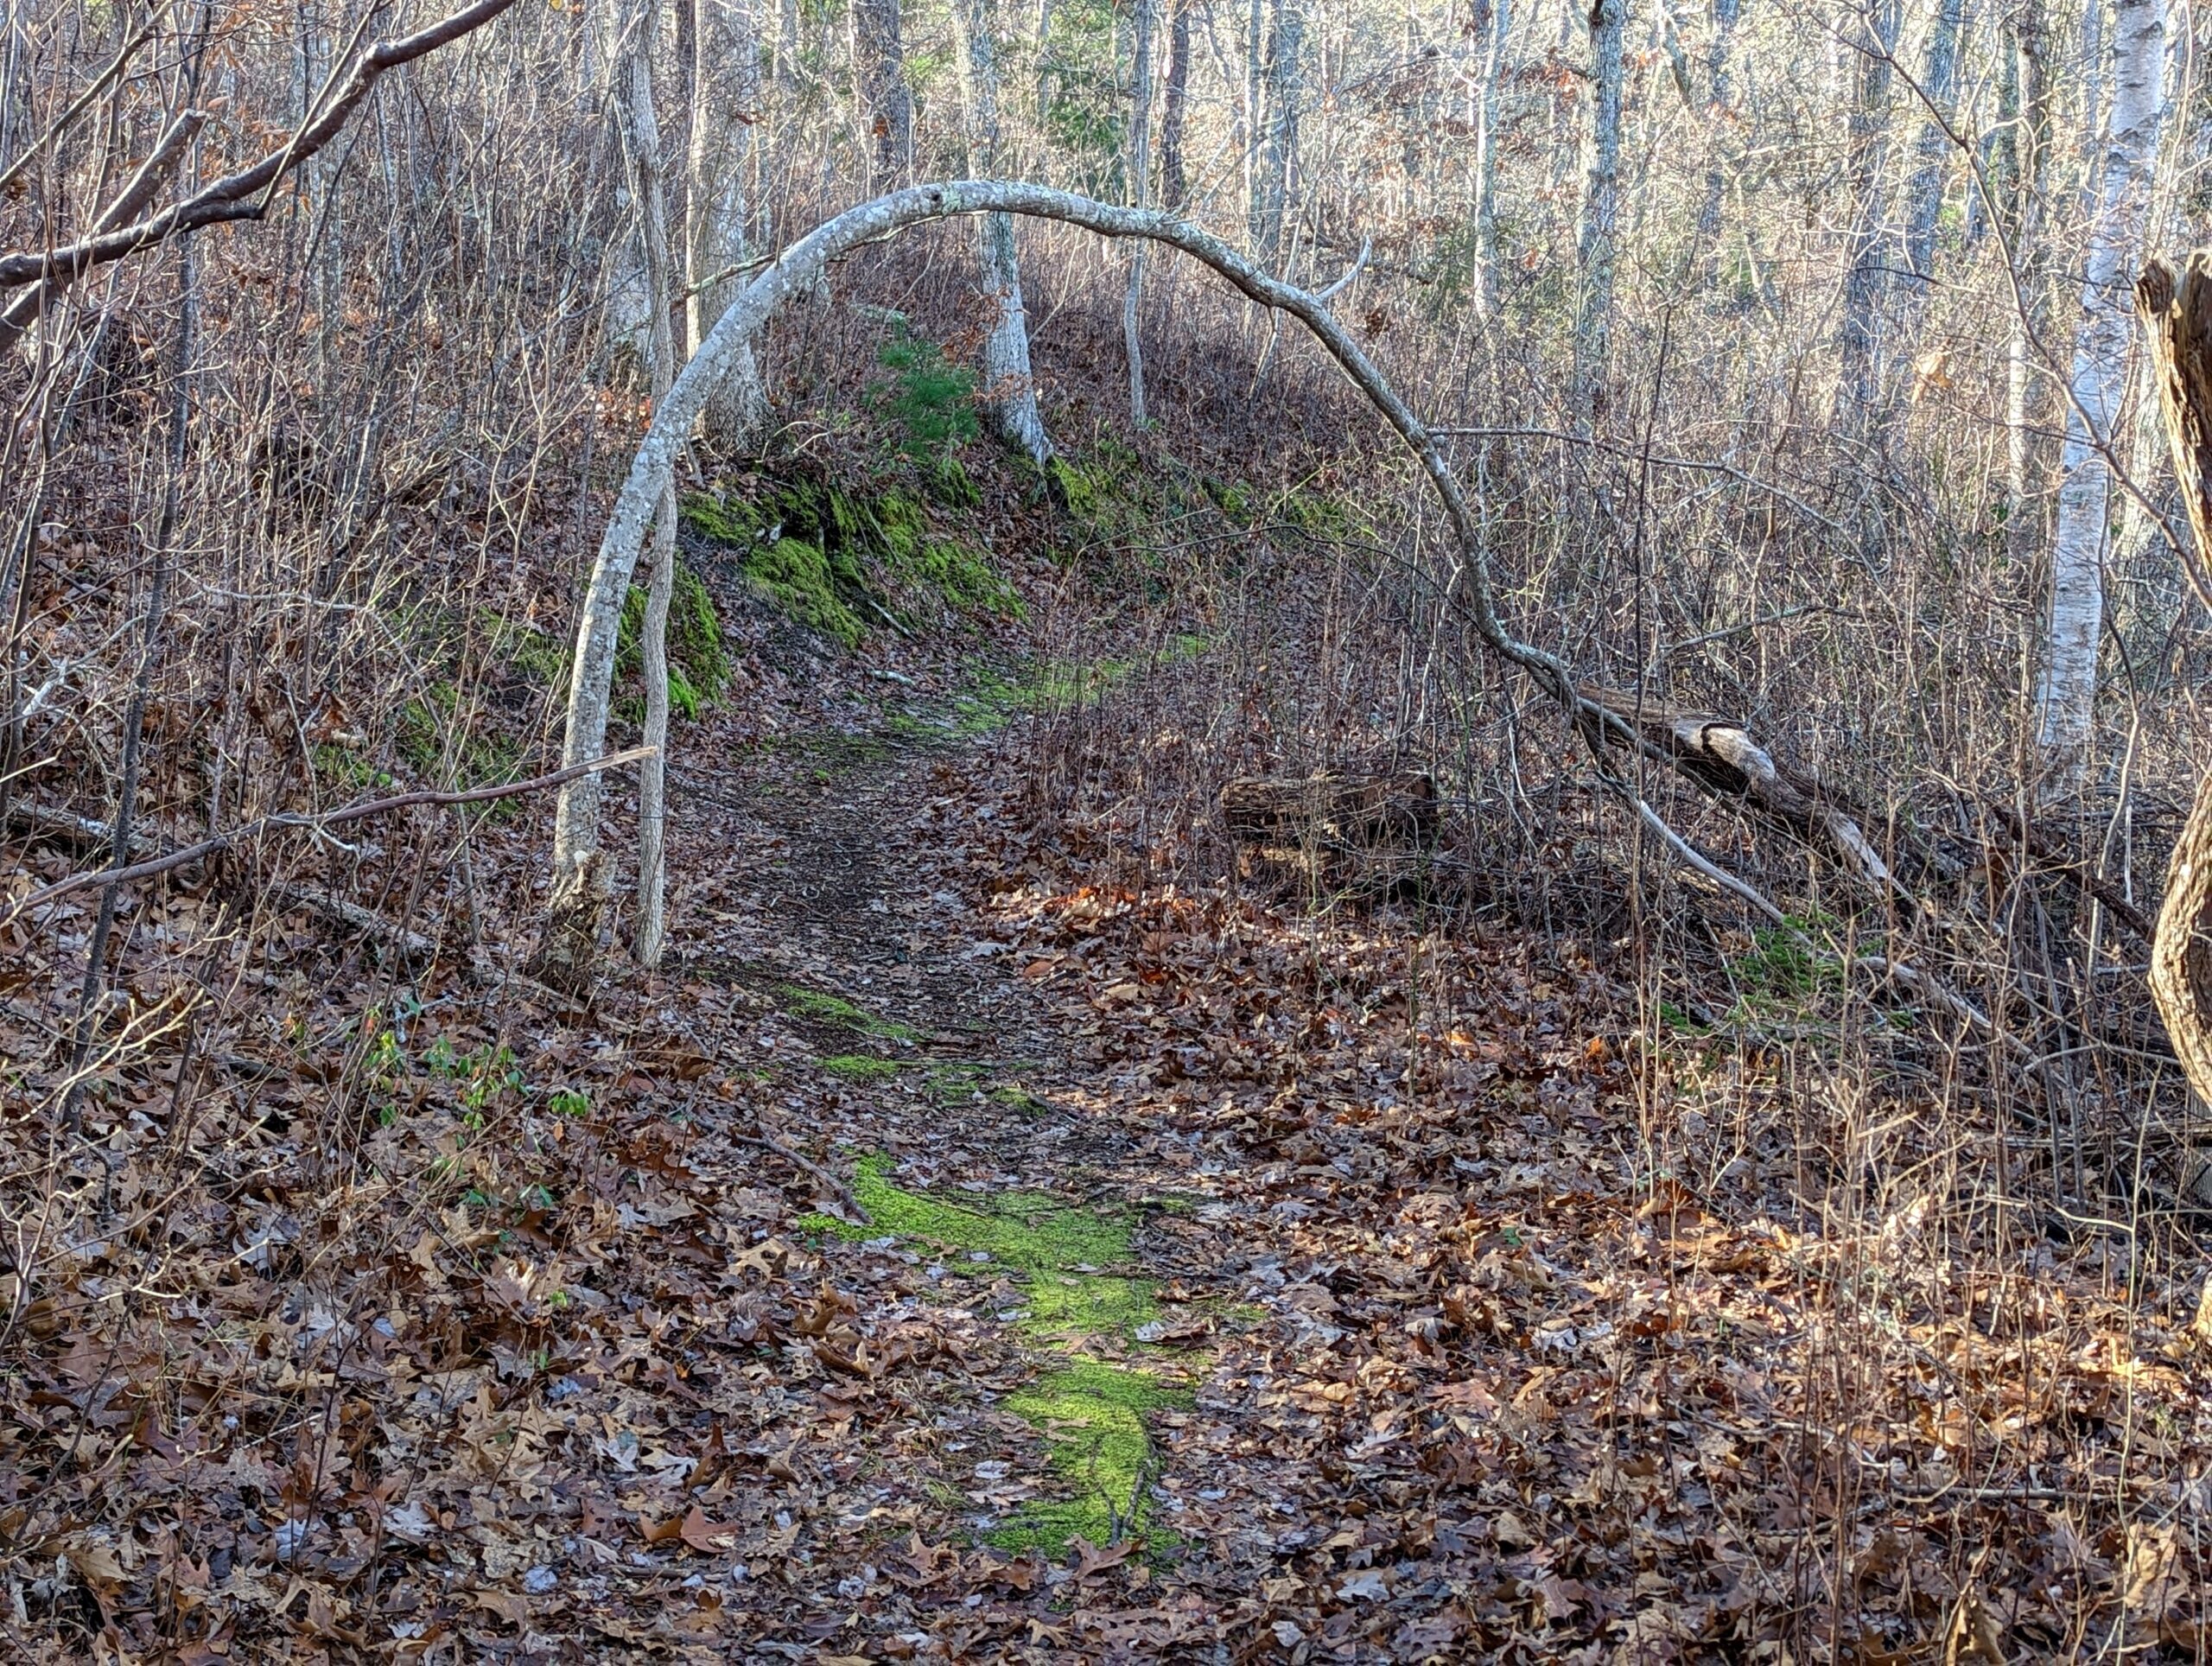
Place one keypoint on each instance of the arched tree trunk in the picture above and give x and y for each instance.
(2176, 308)
(576, 852)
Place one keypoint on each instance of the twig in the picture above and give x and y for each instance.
(845, 1193)
(255, 829)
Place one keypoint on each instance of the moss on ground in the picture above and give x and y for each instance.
(823, 1009)
(860, 1067)
(1089, 1411)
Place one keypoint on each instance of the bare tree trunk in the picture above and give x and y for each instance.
(1140, 197)
(1174, 187)
(881, 64)
(1924, 193)
(2066, 701)
(641, 138)
(1493, 73)
(718, 199)
(1286, 52)
(1252, 113)
(1010, 389)
(2176, 308)
(1597, 236)
(1858, 388)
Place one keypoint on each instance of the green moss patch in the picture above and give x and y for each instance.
(1089, 1411)
(859, 1067)
(825, 1008)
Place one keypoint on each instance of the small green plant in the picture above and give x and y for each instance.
(568, 1102)
(931, 401)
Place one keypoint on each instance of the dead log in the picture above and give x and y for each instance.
(1341, 812)
(1719, 755)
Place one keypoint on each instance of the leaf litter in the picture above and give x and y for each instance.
(1260, 1285)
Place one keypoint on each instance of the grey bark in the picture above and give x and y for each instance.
(1009, 388)
(1174, 185)
(1598, 234)
(1924, 193)
(641, 141)
(1279, 158)
(880, 63)
(2028, 458)
(1141, 196)
(1859, 390)
(1486, 100)
(725, 83)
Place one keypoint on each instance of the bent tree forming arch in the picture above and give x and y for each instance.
(566, 953)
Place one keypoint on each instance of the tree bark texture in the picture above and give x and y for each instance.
(2176, 307)
(1279, 158)
(880, 62)
(1598, 234)
(1140, 197)
(1486, 112)
(724, 85)
(2066, 700)
(1009, 388)
(1924, 193)
(2027, 398)
(1858, 386)
(1175, 95)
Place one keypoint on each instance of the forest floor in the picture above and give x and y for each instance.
(951, 1255)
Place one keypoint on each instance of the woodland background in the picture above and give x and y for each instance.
(1786, 353)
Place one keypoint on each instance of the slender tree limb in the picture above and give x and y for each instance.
(264, 824)
(245, 194)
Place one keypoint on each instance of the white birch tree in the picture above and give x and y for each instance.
(2066, 696)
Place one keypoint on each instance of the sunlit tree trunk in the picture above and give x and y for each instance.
(1279, 151)
(1600, 220)
(1140, 197)
(1924, 193)
(2066, 700)
(1858, 388)
(718, 199)
(879, 64)
(1252, 114)
(2027, 393)
(1175, 95)
(641, 140)
(1493, 72)
(1010, 389)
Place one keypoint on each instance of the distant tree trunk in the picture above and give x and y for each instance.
(1595, 242)
(2176, 313)
(1043, 61)
(1858, 389)
(2028, 397)
(1140, 197)
(718, 211)
(2066, 700)
(1249, 138)
(1009, 390)
(1924, 193)
(1174, 187)
(787, 46)
(641, 139)
(881, 64)
(1279, 160)
(1493, 73)
(1720, 78)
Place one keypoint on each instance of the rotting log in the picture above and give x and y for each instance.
(2176, 307)
(1338, 810)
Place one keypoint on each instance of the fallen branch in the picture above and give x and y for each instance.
(845, 1193)
(264, 824)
